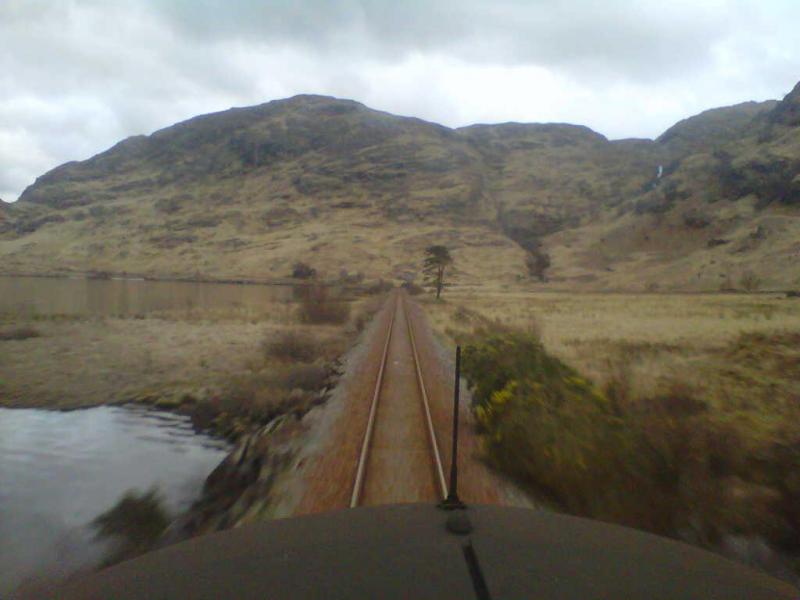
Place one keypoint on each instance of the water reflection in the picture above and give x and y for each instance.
(47, 296)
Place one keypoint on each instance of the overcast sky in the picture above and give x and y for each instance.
(76, 76)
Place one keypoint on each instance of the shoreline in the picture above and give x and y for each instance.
(236, 381)
(534, 288)
(125, 276)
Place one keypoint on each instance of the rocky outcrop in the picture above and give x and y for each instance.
(787, 112)
(239, 488)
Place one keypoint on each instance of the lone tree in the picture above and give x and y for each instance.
(437, 259)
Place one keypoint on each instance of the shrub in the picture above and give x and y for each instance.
(783, 467)
(98, 275)
(537, 262)
(136, 523)
(543, 422)
(412, 288)
(19, 333)
(658, 463)
(204, 221)
(253, 394)
(350, 279)
(301, 270)
(290, 346)
(750, 282)
(696, 220)
(319, 307)
(297, 347)
(99, 212)
(260, 397)
(378, 287)
(167, 206)
(135, 517)
(366, 312)
(306, 377)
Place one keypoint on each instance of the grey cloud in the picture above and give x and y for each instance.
(626, 38)
(77, 76)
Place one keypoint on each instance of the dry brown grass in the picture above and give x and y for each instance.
(293, 369)
(158, 357)
(260, 397)
(660, 336)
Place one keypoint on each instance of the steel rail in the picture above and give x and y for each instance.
(358, 484)
(437, 459)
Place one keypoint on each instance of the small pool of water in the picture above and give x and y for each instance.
(59, 470)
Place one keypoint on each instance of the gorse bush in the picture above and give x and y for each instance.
(672, 462)
(543, 422)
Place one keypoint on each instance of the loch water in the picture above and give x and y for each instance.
(60, 470)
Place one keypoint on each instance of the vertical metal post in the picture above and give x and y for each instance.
(452, 501)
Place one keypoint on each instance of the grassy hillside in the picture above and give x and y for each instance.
(247, 192)
(724, 211)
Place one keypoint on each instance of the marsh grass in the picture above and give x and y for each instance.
(134, 523)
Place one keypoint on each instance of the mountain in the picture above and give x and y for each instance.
(788, 111)
(714, 127)
(4, 212)
(247, 192)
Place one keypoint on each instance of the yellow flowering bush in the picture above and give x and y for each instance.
(542, 421)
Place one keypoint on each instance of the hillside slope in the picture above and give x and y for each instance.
(727, 206)
(247, 192)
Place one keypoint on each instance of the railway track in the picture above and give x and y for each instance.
(399, 460)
